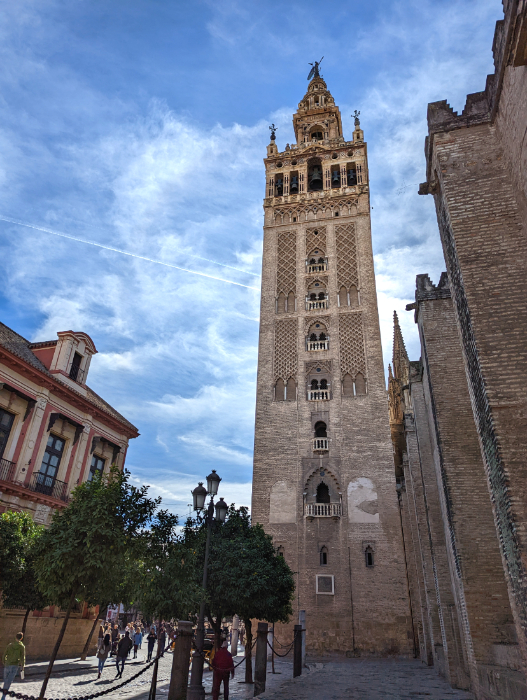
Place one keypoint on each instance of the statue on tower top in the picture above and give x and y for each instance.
(314, 72)
(357, 120)
(273, 132)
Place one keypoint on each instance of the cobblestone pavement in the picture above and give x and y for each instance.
(350, 679)
(75, 679)
(357, 679)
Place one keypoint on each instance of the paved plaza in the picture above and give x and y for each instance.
(349, 679)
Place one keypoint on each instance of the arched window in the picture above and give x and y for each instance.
(280, 306)
(313, 336)
(280, 552)
(323, 493)
(313, 261)
(279, 390)
(321, 296)
(290, 302)
(320, 429)
(354, 296)
(322, 336)
(314, 384)
(313, 297)
(323, 556)
(343, 296)
(321, 261)
(368, 554)
(323, 383)
(314, 175)
(290, 390)
(347, 385)
(360, 384)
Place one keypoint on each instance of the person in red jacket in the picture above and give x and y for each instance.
(223, 667)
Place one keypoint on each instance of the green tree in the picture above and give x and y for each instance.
(84, 552)
(245, 575)
(162, 579)
(19, 535)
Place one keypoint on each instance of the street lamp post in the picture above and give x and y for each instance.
(196, 691)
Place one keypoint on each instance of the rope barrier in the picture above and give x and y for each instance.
(244, 657)
(23, 696)
(281, 656)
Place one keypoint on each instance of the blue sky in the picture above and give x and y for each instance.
(141, 125)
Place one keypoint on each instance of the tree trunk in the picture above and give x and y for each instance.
(216, 626)
(57, 647)
(248, 652)
(28, 610)
(88, 641)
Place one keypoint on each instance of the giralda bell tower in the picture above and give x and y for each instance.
(324, 483)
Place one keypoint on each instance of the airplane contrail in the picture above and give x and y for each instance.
(125, 252)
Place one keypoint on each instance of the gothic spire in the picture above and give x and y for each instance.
(401, 362)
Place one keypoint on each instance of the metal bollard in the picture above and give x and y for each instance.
(180, 662)
(260, 664)
(297, 652)
(302, 622)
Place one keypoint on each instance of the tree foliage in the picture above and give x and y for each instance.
(84, 553)
(245, 575)
(162, 579)
(86, 548)
(19, 535)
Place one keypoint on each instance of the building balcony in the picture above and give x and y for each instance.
(41, 488)
(323, 510)
(319, 304)
(319, 267)
(40, 483)
(313, 345)
(320, 444)
(318, 395)
(7, 470)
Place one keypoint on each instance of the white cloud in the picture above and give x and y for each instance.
(177, 353)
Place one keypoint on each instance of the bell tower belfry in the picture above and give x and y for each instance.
(324, 483)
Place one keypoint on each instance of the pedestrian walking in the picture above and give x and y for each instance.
(162, 640)
(100, 637)
(138, 638)
(14, 660)
(123, 649)
(103, 651)
(115, 639)
(151, 639)
(223, 667)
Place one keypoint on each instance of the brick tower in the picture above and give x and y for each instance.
(324, 483)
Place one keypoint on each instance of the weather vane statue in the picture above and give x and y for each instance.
(356, 115)
(273, 132)
(314, 72)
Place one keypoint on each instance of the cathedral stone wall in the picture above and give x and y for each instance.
(466, 406)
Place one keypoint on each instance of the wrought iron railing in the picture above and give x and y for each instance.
(320, 444)
(7, 470)
(47, 485)
(323, 510)
(77, 374)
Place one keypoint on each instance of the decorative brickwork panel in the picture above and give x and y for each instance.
(286, 274)
(285, 350)
(314, 240)
(351, 337)
(347, 274)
